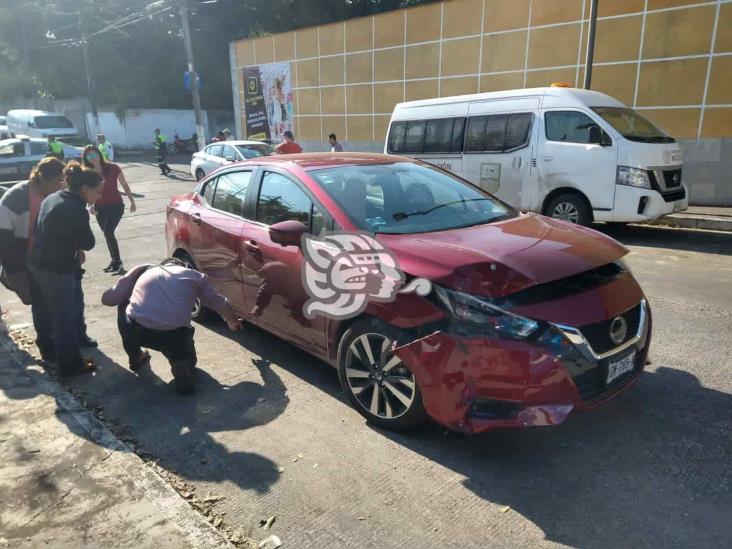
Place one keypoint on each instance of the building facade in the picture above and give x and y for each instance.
(669, 59)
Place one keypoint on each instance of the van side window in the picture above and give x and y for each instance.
(498, 133)
(396, 137)
(441, 135)
(414, 140)
(517, 130)
(568, 126)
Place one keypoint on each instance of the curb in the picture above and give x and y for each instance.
(197, 531)
(706, 222)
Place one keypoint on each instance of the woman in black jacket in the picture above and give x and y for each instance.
(62, 234)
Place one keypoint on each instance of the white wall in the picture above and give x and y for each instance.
(135, 130)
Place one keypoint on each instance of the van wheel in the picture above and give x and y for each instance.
(378, 384)
(200, 313)
(570, 207)
(199, 174)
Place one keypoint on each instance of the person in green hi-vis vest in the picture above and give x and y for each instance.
(161, 150)
(55, 148)
(105, 148)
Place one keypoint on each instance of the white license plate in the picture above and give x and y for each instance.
(12, 169)
(678, 206)
(620, 367)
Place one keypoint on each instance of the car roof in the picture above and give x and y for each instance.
(584, 97)
(237, 142)
(312, 161)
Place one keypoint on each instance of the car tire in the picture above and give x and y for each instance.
(199, 174)
(570, 207)
(200, 314)
(385, 392)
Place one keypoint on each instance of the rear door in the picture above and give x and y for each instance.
(568, 159)
(211, 158)
(272, 283)
(497, 150)
(216, 240)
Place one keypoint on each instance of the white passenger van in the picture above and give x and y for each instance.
(34, 123)
(569, 153)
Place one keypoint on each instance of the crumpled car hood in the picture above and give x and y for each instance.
(498, 259)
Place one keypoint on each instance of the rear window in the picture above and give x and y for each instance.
(52, 121)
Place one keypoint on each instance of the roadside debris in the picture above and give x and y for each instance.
(267, 524)
(272, 542)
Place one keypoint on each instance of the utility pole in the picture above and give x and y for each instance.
(27, 57)
(590, 44)
(89, 78)
(184, 12)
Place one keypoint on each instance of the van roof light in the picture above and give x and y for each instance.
(561, 85)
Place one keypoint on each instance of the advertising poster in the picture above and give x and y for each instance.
(268, 100)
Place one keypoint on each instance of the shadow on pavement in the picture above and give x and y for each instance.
(676, 239)
(176, 430)
(634, 473)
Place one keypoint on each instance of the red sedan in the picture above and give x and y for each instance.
(526, 319)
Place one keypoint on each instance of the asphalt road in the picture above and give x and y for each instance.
(270, 430)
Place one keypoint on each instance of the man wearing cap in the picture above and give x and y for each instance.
(160, 142)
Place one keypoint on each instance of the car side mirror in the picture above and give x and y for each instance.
(287, 233)
(230, 158)
(595, 137)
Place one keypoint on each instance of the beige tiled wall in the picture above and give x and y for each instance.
(672, 62)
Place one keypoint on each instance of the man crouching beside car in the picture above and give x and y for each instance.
(154, 304)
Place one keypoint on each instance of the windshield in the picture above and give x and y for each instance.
(52, 121)
(405, 198)
(254, 151)
(632, 125)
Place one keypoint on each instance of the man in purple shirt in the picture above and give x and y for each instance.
(154, 304)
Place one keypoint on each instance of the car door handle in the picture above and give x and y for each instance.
(196, 218)
(548, 159)
(252, 247)
(517, 161)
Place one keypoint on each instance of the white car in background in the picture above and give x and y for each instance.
(222, 153)
(20, 154)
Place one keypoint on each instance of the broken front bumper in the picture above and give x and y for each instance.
(475, 384)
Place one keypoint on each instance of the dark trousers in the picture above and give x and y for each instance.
(162, 163)
(108, 218)
(176, 345)
(58, 317)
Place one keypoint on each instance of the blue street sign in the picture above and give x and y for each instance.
(187, 80)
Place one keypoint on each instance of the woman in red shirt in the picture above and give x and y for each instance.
(110, 207)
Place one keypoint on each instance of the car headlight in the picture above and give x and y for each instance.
(494, 320)
(633, 177)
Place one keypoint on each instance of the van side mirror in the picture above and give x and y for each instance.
(287, 233)
(595, 137)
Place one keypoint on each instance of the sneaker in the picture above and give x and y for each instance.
(118, 269)
(111, 267)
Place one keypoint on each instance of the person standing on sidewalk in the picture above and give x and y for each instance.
(105, 147)
(110, 207)
(335, 147)
(19, 209)
(154, 304)
(160, 142)
(288, 145)
(61, 236)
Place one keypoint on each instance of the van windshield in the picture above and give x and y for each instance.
(632, 125)
(407, 198)
(52, 121)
